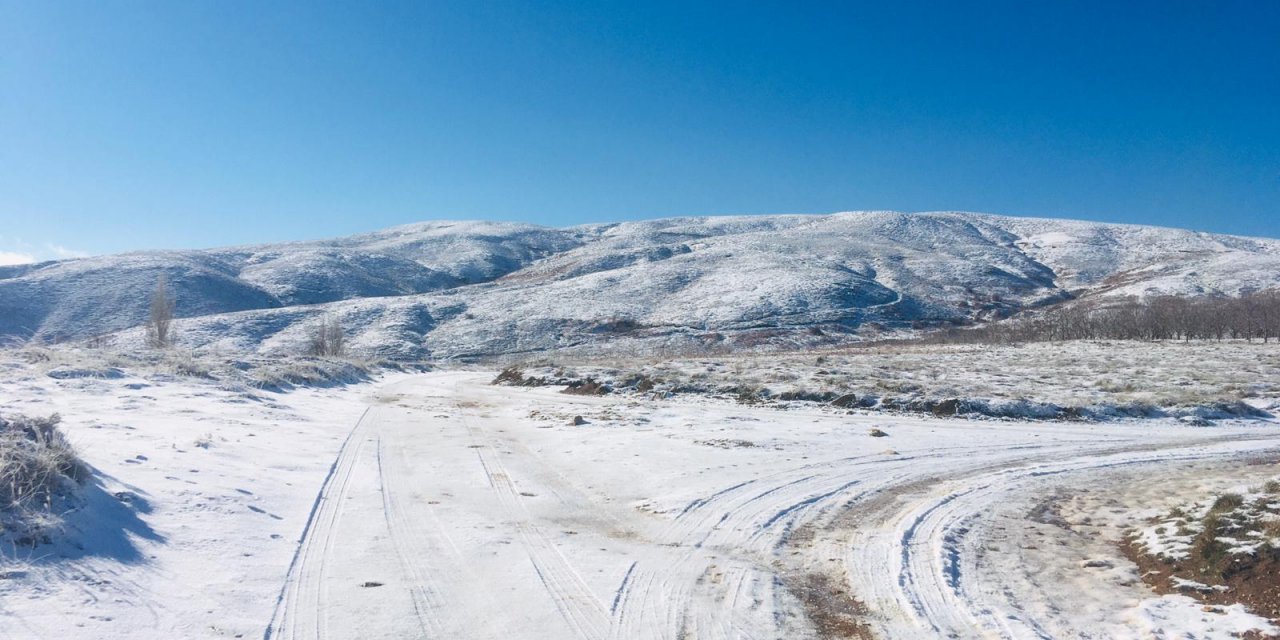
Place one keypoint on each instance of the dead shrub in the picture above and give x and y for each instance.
(36, 462)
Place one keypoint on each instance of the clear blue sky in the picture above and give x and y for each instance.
(129, 125)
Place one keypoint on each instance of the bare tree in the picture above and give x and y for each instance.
(1270, 308)
(327, 338)
(160, 322)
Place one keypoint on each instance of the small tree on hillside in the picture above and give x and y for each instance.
(327, 338)
(160, 320)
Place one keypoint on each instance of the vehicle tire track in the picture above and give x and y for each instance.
(585, 614)
(300, 608)
(441, 579)
(763, 512)
(927, 548)
(428, 605)
(752, 521)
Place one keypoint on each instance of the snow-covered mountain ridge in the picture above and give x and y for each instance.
(478, 288)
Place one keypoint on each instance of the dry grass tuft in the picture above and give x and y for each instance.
(37, 462)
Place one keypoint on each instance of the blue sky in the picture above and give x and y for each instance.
(137, 125)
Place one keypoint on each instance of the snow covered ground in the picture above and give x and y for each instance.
(193, 513)
(438, 505)
(1075, 379)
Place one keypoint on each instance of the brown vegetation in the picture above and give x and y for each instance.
(1251, 316)
(1219, 573)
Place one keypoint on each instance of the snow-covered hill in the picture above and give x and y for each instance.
(449, 289)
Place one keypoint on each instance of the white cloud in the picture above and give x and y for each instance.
(15, 251)
(63, 253)
(11, 257)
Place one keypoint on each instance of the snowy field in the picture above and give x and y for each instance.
(439, 505)
(1077, 379)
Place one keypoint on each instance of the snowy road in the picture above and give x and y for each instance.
(458, 509)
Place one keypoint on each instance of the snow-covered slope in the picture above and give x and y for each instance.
(90, 296)
(475, 288)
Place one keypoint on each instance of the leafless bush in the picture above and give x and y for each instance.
(327, 338)
(309, 373)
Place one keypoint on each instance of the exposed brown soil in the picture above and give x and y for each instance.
(514, 376)
(586, 387)
(644, 384)
(728, 443)
(834, 612)
(1253, 581)
(846, 401)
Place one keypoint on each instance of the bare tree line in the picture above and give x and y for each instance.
(1250, 316)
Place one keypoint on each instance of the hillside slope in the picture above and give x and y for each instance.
(466, 289)
(89, 296)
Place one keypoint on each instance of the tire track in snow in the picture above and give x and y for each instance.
(667, 597)
(585, 614)
(428, 604)
(440, 577)
(930, 555)
(300, 607)
(720, 566)
(752, 521)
